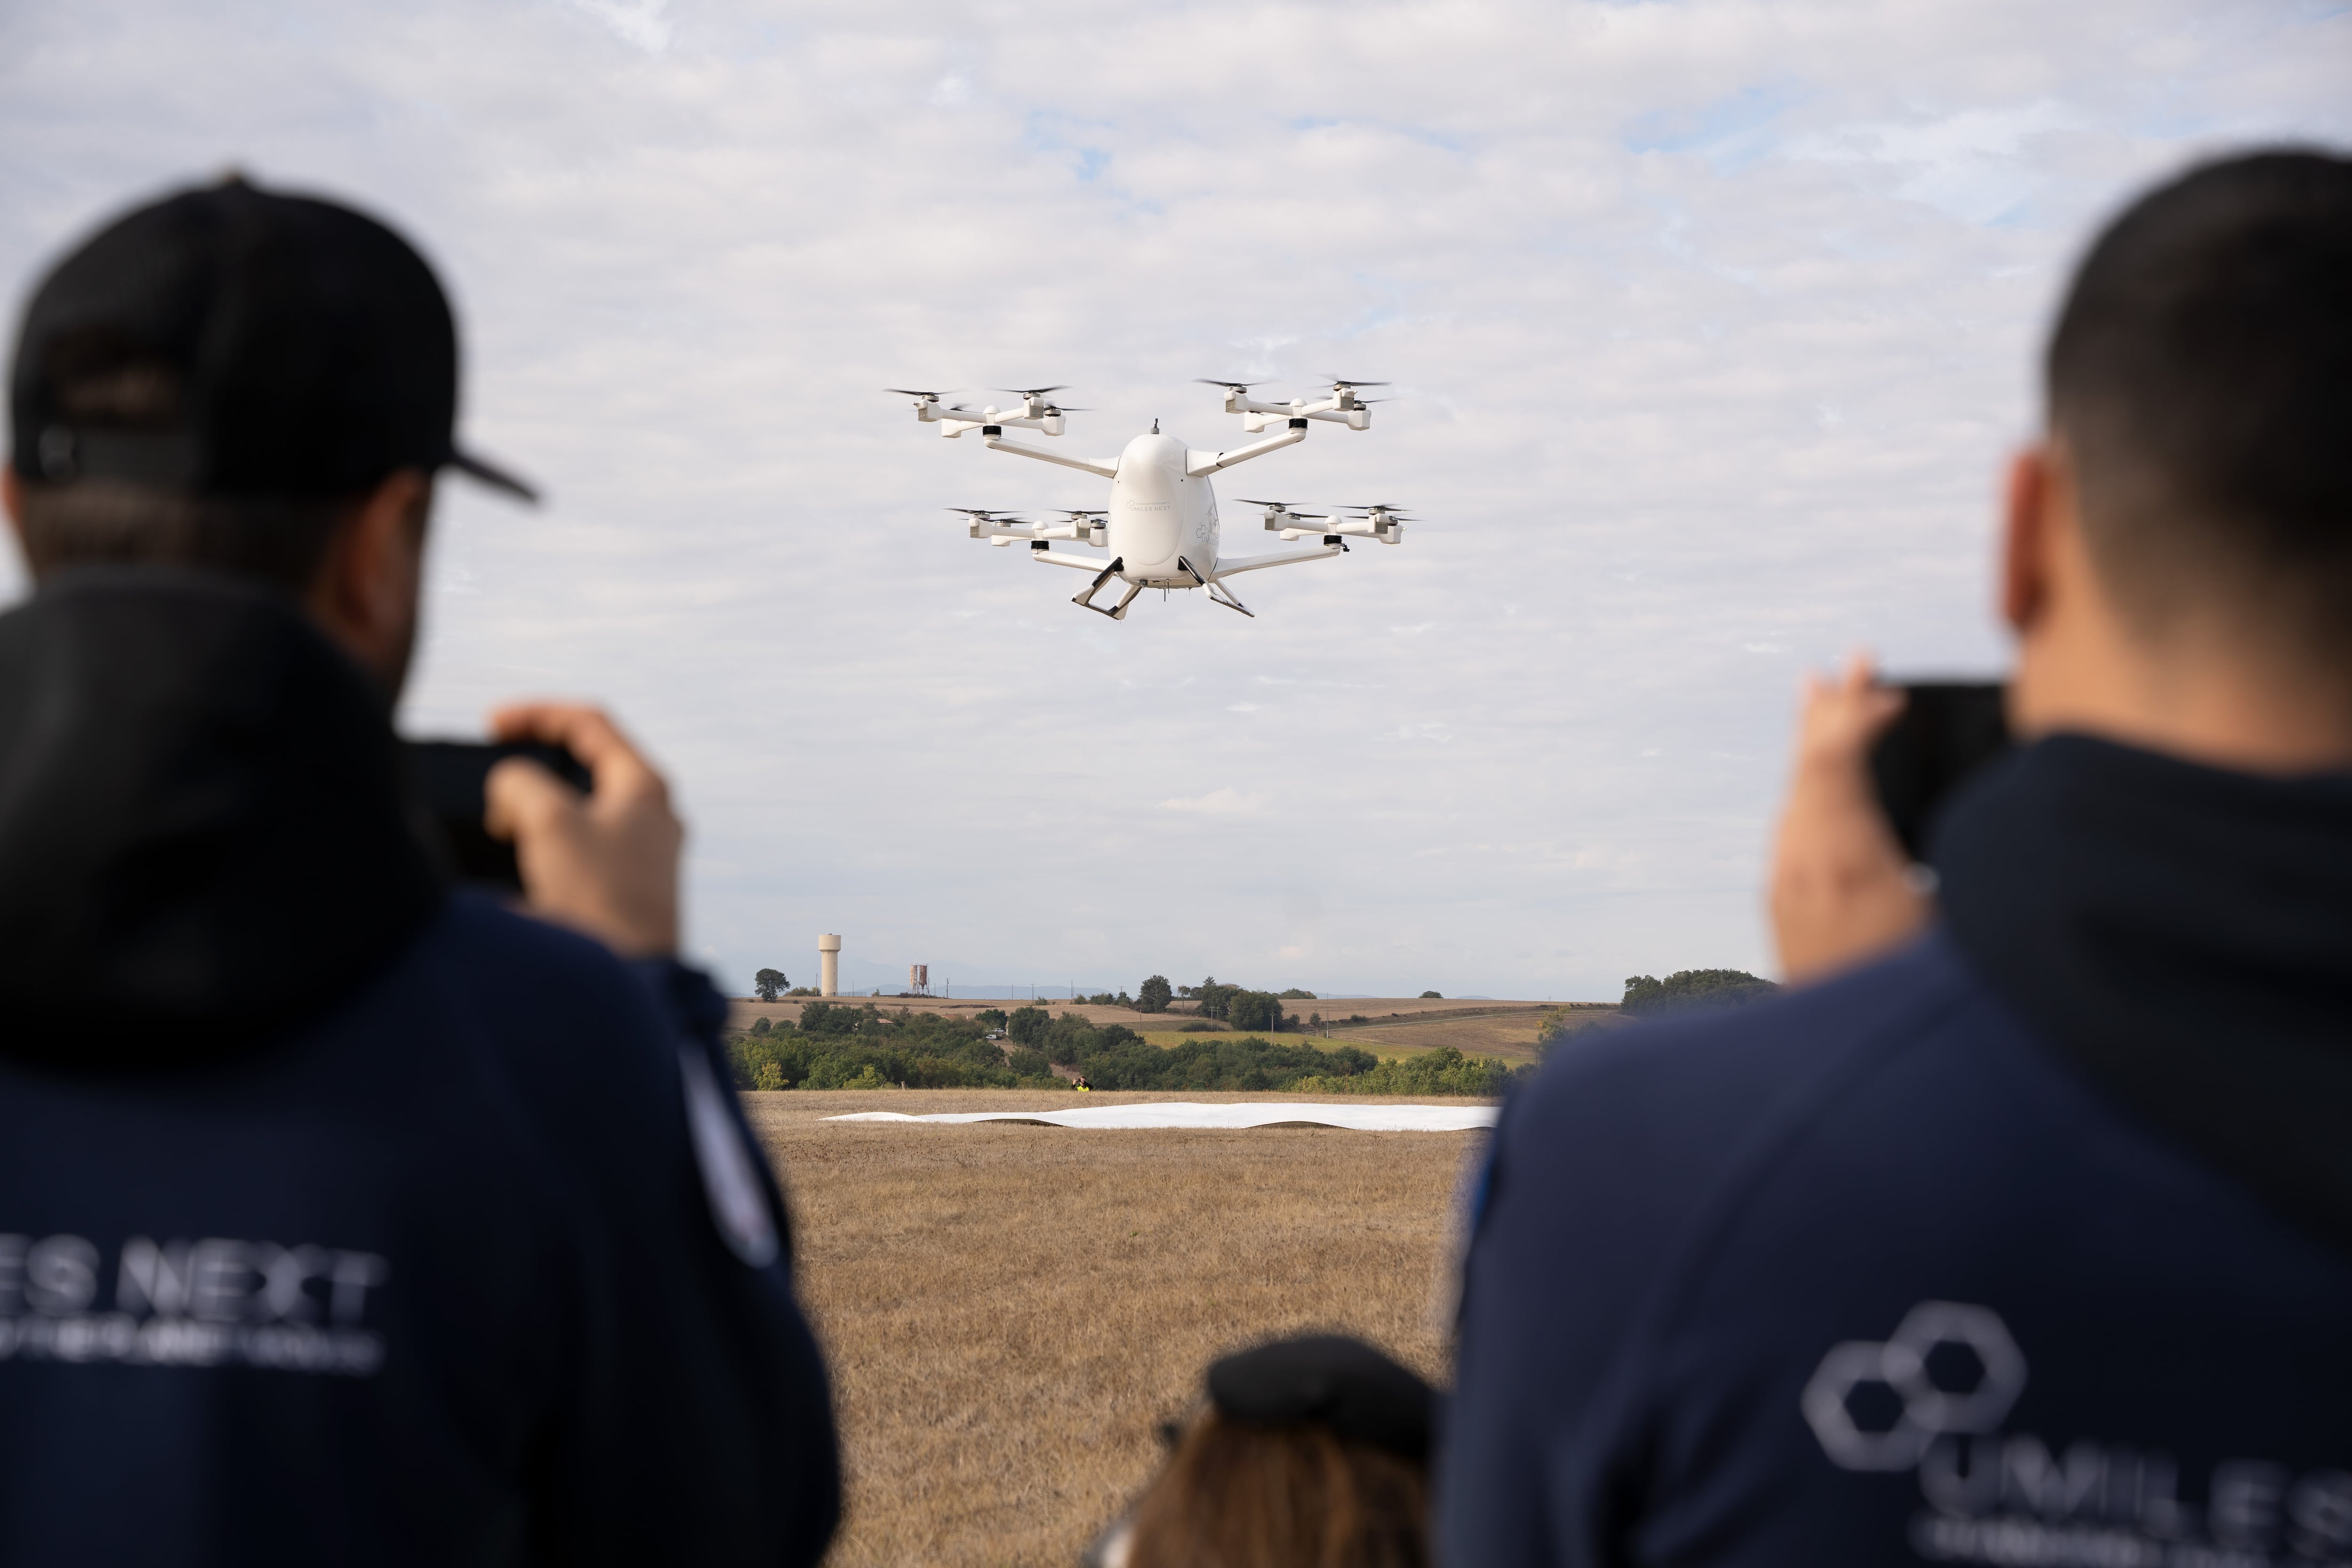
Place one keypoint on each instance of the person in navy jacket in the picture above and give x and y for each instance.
(2020, 1231)
(345, 1217)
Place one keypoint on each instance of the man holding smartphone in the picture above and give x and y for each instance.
(345, 1216)
(2021, 1232)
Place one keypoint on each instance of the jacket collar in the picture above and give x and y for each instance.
(2185, 934)
(204, 834)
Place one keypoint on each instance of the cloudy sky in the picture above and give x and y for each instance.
(1710, 323)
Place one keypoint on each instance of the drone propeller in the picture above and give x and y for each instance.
(1343, 381)
(1276, 505)
(1073, 511)
(1031, 391)
(911, 392)
(1228, 386)
(985, 514)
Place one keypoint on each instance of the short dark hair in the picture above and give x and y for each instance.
(2200, 376)
(278, 540)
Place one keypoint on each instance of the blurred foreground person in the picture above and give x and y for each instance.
(1314, 1454)
(344, 1217)
(2030, 1241)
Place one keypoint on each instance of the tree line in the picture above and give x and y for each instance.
(838, 1046)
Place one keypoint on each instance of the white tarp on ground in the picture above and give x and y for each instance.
(1459, 1117)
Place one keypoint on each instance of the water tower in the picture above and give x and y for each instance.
(828, 962)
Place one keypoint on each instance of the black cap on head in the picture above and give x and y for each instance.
(232, 341)
(1343, 1383)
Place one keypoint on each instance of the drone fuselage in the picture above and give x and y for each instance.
(1162, 517)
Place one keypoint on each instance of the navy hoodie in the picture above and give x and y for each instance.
(344, 1217)
(2031, 1244)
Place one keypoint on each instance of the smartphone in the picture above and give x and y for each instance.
(448, 776)
(1947, 729)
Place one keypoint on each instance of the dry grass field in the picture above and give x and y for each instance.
(1011, 1311)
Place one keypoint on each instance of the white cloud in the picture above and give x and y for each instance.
(1227, 802)
(1619, 261)
(1976, 163)
(641, 24)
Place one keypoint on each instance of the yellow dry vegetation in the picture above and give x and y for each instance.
(1011, 1311)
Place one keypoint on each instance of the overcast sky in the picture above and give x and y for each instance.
(1710, 325)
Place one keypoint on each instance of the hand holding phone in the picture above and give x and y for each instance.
(605, 862)
(1946, 730)
(1841, 889)
(452, 779)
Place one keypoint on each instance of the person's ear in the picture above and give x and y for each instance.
(2025, 546)
(367, 588)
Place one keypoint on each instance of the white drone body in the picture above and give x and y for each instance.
(1161, 529)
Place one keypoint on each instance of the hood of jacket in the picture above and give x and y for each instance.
(205, 829)
(2183, 933)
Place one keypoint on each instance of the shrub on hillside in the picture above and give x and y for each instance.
(842, 1046)
(1561, 1023)
(1442, 1071)
(1027, 1025)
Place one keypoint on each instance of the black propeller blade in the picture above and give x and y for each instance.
(1343, 381)
(1228, 386)
(1276, 505)
(911, 392)
(1032, 391)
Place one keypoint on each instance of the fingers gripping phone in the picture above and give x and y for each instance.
(451, 777)
(1947, 730)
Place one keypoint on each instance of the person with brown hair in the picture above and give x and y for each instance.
(1314, 1454)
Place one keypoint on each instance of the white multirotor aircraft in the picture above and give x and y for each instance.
(1161, 531)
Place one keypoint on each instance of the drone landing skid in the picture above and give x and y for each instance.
(1085, 601)
(1221, 595)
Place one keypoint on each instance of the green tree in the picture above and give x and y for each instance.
(1431, 996)
(1027, 1025)
(1254, 1010)
(770, 983)
(1153, 995)
(1215, 999)
(1559, 1024)
(760, 1026)
(1295, 995)
(1694, 988)
(990, 1017)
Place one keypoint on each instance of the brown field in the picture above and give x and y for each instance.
(1011, 1311)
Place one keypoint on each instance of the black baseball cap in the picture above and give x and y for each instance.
(1345, 1384)
(229, 340)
